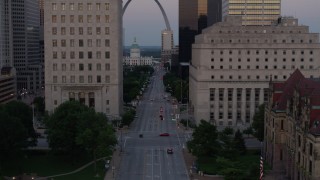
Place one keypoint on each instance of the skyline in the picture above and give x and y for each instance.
(150, 35)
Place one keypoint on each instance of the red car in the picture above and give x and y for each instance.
(165, 134)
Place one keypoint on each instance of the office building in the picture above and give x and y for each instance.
(7, 85)
(292, 128)
(135, 58)
(83, 54)
(232, 65)
(253, 12)
(214, 12)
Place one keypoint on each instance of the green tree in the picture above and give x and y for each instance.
(78, 130)
(225, 137)
(13, 135)
(205, 140)
(23, 113)
(248, 131)
(258, 123)
(239, 144)
(39, 105)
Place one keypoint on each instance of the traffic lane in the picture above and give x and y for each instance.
(132, 165)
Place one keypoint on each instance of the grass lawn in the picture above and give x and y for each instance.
(210, 166)
(44, 163)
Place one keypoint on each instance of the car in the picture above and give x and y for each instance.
(164, 134)
(151, 99)
(169, 151)
(140, 135)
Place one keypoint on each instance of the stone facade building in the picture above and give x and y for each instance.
(292, 128)
(232, 65)
(135, 58)
(83, 54)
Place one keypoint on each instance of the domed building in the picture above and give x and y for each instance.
(135, 58)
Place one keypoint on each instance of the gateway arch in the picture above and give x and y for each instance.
(161, 8)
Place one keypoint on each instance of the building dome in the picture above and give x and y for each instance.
(135, 45)
(135, 49)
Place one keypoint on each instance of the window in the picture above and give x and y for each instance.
(98, 43)
(302, 52)
(89, 6)
(55, 79)
(63, 43)
(71, 5)
(63, 31)
(97, 18)
(54, 6)
(89, 30)
(80, 18)
(55, 67)
(107, 6)
(106, 29)
(90, 67)
(54, 43)
(107, 54)
(98, 79)
(54, 19)
(71, 42)
(107, 79)
(81, 79)
(98, 67)
(63, 54)
(72, 30)
(98, 54)
(63, 18)
(72, 66)
(107, 67)
(89, 79)
(72, 55)
(107, 43)
(81, 67)
(54, 54)
(98, 6)
(80, 42)
(72, 79)
(98, 30)
(64, 67)
(80, 6)
(107, 18)
(81, 55)
(89, 55)
(54, 31)
(64, 79)
(89, 19)
(311, 52)
(89, 42)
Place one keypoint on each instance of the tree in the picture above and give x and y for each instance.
(13, 135)
(248, 131)
(78, 130)
(39, 105)
(227, 149)
(23, 113)
(239, 144)
(205, 140)
(258, 123)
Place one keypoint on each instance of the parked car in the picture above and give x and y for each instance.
(165, 134)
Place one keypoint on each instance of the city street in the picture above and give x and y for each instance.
(144, 151)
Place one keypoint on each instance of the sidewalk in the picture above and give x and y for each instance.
(114, 165)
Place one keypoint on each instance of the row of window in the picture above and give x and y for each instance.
(81, 67)
(265, 67)
(80, 19)
(80, 55)
(257, 52)
(63, 31)
(259, 41)
(239, 92)
(81, 79)
(81, 43)
(80, 6)
(249, 77)
(264, 31)
(266, 59)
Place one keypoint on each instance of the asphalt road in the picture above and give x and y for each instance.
(146, 158)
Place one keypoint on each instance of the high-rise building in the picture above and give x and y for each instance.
(2, 31)
(232, 65)
(193, 17)
(21, 42)
(253, 12)
(83, 54)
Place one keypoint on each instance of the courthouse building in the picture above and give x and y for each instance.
(292, 128)
(232, 65)
(83, 54)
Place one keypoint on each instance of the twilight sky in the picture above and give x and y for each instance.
(143, 18)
